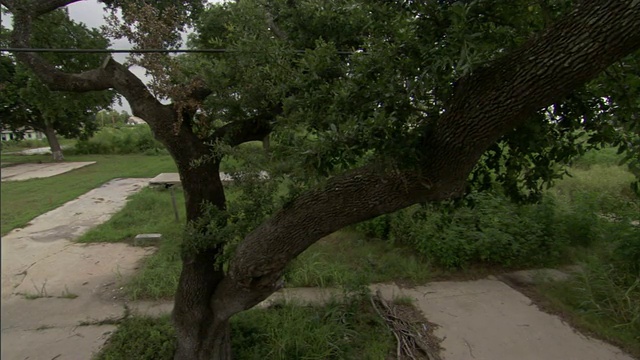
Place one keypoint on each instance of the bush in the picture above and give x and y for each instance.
(125, 140)
(493, 231)
(378, 227)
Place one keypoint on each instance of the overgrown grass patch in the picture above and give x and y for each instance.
(142, 338)
(158, 277)
(24, 200)
(347, 258)
(569, 299)
(349, 330)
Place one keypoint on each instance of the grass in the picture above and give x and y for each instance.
(567, 299)
(604, 299)
(342, 259)
(24, 200)
(349, 330)
(347, 258)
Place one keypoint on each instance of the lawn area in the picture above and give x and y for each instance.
(24, 200)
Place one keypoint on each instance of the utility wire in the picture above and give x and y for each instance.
(143, 51)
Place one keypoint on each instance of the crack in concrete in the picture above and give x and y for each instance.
(25, 271)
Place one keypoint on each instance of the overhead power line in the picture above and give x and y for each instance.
(144, 51)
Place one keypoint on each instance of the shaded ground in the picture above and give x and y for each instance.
(59, 298)
(33, 171)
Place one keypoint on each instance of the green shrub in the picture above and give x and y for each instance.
(124, 140)
(607, 157)
(493, 231)
(378, 227)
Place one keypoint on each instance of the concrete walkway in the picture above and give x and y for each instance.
(50, 285)
(34, 171)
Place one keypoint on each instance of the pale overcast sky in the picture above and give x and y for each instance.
(92, 14)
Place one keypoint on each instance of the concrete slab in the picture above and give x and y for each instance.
(165, 179)
(174, 178)
(537, 276)
(72, 342)
(488, 320)
(71, 283)
(34, 171)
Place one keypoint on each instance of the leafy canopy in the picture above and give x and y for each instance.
(375, 104)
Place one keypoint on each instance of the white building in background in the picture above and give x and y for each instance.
(134, 120)
(8, 135)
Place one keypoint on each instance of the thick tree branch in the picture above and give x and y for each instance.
(45, 6)
(485, 105)
(198, 91)
(36, 7)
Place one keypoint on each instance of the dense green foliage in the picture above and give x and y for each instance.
(342, 110)
(488, 228)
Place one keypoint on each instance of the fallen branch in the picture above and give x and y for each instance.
(414, 340)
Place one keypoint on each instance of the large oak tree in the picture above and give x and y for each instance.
(405, 118)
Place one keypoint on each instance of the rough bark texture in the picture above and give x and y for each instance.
(52, 139)
(485, 105)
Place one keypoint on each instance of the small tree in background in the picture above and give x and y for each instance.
(26, 103)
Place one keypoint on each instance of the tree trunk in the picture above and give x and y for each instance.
(202, 333)
(52, 139)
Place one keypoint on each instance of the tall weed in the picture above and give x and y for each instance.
(494, 231)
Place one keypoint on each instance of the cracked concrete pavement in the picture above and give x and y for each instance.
(488, 320)
(51, 285)
(34, 171)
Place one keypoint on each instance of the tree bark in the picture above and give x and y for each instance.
(201, 332)
(52, 139)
